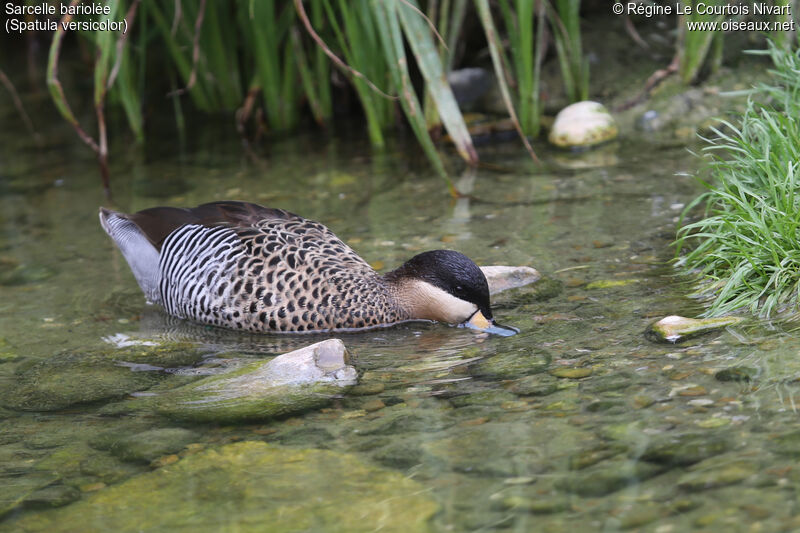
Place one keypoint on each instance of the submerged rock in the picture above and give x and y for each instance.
(720, 475)
(608, 477)
(151, 444)
(469, 84)
(686, 449)
(503, 278)
(72, 378)
(737, 373)
(52, 496)
(251, 486)
(290, 383)
(677, 328)
(13, 494)
(513, 365)
(582, 125)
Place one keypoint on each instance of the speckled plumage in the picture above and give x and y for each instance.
(247, 267)
(282, 273)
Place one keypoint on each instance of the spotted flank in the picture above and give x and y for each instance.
(247, 267)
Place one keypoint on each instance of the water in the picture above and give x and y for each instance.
(577, 422)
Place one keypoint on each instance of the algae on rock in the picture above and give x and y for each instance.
(290, 383)
(73, 378)
(254, 487)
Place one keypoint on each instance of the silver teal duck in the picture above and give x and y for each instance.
(247, 267)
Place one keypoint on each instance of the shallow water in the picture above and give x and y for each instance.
(579, 421)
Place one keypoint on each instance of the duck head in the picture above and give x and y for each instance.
(446, 286)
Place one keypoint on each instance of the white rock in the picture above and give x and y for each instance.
(502, 278)
(583, 124)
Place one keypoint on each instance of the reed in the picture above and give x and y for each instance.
(565, 20)
(693, 46)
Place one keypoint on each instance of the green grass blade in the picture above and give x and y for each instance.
(419, 38)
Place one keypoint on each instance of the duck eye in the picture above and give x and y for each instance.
(459, 288)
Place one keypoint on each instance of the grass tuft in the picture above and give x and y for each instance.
(746, 247)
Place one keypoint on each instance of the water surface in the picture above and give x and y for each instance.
(579, 421)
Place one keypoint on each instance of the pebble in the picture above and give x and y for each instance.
(727, 474)
(610, 283)
(710, 423)
(92, 487)
(640, 401)
(675, 328)
(701, 402)
(693, 391)
(373, 405)
(519, 481)
(639, 516)
(367, 389)
(164, 461)
(582, 124)
(572, 373)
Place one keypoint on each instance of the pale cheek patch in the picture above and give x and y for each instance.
(432, 303)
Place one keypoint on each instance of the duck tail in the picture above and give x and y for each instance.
(139, 252)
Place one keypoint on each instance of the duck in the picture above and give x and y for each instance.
(243, 266)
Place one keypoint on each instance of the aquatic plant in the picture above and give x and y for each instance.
(746, 248)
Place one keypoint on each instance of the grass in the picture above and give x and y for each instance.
(746, 248)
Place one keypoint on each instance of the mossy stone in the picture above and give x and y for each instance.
(582, 125)
(536, 385)
(403, 454)
(152, 444)
(12, 495)
(254, 487)
(719, 476)
(736, 373)
(786, 444)
(686, 449)
(52, 496)
(535, 505)
(610, 283)
(291, 383)
(486, 397)
(513, 365)
(542, 290)
(163, 354)
(606, 478)
(572, 372)
(72, 378)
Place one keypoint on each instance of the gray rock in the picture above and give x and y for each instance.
(290, 383)
(677, 328)
(583, 124)
(503, 278)
(469, 84)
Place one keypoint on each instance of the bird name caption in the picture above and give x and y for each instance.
(40, 17)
